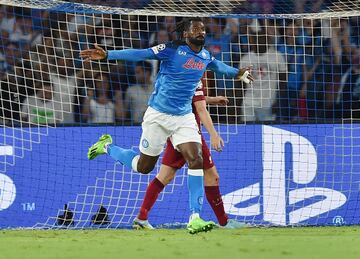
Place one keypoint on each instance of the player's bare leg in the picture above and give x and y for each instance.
(146, 163)
(166, 174)
(211, 177)
(192, 153)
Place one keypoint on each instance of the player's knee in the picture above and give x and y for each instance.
(215, 181)
(145, 169)
(196, 163)
(146, 163)
(211, 177)
(211, 180)
(216, 178)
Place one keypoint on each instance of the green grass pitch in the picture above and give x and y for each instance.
(268, 243)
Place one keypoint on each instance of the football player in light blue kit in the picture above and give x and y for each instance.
(169, 114)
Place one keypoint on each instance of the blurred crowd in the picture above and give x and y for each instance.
(306, 70)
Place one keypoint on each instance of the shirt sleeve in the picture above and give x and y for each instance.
(131, 54)
(163, 51)
(199, 93)
(159, 52)
(220, 67)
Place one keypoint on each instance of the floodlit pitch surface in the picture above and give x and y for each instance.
(309, 242)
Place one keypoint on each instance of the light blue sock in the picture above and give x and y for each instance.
(196, 189)
(122, 155)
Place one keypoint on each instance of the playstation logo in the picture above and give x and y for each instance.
(276, 201)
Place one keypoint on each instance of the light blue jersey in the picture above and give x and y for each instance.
(180, 72)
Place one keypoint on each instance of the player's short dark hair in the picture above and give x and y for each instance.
(184, 25)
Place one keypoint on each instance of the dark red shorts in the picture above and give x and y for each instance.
(174, 159)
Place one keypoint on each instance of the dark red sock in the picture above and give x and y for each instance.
(152, 192)
(214, 198)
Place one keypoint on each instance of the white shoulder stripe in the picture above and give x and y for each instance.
(155, 49)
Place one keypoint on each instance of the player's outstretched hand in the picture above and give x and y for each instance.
(217, 142)
(245, 75)
(93, 54)
(217, 100)
(220, 100)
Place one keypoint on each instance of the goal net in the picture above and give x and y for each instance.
(292, 143)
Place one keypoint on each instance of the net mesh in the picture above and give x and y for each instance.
(291, 136)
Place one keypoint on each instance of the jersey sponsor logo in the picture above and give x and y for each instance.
(145, 143)
(182, 53)
(192, 64)
(203, 54)
(279, 203)
(158, 48)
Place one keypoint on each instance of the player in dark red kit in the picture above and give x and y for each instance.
(173, 160)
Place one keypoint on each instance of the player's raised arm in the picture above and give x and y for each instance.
(217, 100)
(93, 54)
(243, 74)
(217, 142)
(158, 52)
